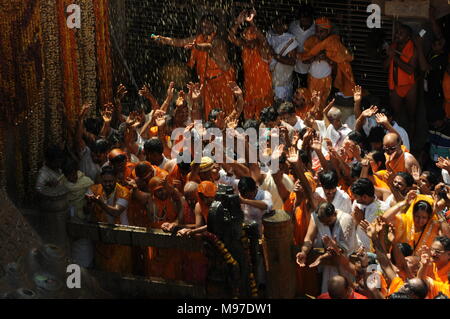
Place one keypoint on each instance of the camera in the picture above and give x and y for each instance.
(225, 216)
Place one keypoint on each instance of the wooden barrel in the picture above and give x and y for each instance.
(280, 259)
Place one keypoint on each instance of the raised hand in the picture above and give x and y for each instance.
(315, 98)
(232, 123)
(107, 112)
(370, 111)
(415, 172)
(195, 91)
(382, 119)
(316, 144)
(357, 94)
(171, 90)
(293, 155)
(145, 91)
(443, 163)
(121, 91)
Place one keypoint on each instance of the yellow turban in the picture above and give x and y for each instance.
(206, 164)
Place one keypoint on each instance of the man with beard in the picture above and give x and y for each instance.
(108, 203)
(400, 186)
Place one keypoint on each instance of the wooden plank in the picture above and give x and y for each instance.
(139, 287)
(132, 236)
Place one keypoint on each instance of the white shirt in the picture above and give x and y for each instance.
(301, 36)
(282, 74)
(228, 180)
(341, 200)
(320, 69)
(371, 212)
(344, 232)
(87, 166)
(253, 214)
(337, 136)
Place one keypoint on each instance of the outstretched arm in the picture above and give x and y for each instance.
(180, 43)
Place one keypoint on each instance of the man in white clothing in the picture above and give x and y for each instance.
(302, 29)
(365, 207)
(331, 193)
(282, 65)
(336, 131)
(326, 225)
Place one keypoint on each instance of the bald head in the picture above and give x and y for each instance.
(334, 114)
(338, 288)
(190, 187)
(391, 138)
(416, 288)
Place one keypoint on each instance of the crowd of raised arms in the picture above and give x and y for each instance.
(370, 218)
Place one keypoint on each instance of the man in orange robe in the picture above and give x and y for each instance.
(397, 160)
(401, 65)
(307, 278)
(165, 209)
(255, 62)
(108, 203)
(328, 47)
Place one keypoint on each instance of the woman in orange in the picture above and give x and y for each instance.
(255, 62)
(419, 226)
(401, 64)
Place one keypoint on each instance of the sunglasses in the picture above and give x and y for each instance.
(390, 149)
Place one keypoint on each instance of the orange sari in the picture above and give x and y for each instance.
(112, 258)
(216, 93)
(405, 230)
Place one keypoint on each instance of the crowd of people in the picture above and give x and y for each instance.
(370, 218)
